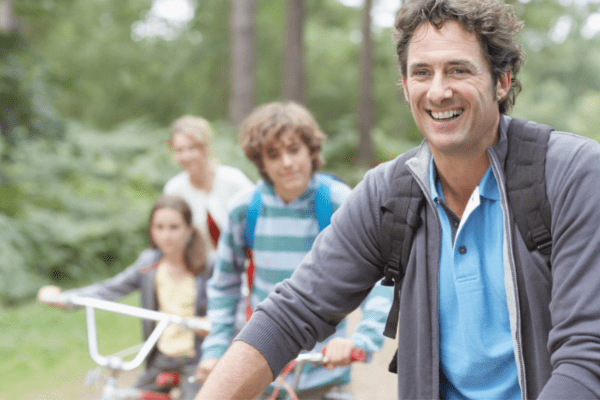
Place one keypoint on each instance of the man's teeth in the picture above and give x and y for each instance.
(446, 114)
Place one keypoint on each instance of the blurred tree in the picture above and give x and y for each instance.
(561, 84)
(109, 73)
(26, 108)
(241, 101)
(294, 68)
(365, 104)
(118, 60)
(14, 106)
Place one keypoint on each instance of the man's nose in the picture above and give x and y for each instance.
(439, 89)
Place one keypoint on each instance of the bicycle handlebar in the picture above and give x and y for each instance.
(72, 299)
(114, 362)
(356, 355)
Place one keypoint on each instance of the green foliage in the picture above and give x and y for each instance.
(25, 106)
(83, 207)
(109, 78)
(561, 82)
(74, 200)
(226, 150)
(84, 201)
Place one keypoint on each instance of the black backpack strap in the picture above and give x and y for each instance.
(525, 171)
(399, 224)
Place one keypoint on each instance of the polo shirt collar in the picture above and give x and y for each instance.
(488, 187)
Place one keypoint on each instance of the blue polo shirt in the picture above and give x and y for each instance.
(476, 351)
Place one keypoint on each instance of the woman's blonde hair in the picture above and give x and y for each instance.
(196, 252)
(196, 128)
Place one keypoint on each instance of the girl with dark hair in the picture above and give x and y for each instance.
(171, 276)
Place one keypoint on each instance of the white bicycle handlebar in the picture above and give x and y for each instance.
(114, 362)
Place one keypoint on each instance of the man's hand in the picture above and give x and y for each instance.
(338, 352)
(205, 368)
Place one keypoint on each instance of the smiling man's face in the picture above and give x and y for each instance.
(449, 87)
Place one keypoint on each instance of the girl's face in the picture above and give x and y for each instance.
(169, 231)
(189, 154)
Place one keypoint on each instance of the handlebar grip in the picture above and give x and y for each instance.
(167, 379)
(61, 299)
(193, 323)
(358, 355)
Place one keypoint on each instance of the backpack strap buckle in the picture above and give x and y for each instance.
(391, 275)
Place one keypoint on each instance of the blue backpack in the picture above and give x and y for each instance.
(323, 207)
(323, 211)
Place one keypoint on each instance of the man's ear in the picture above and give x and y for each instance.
(406, 97)
(503, 85)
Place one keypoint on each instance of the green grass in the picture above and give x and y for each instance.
(44, 351)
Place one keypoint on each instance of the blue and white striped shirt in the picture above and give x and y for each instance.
(284, 234)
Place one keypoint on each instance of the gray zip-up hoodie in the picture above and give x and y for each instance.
(554, 313)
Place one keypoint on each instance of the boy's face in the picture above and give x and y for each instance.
(288, 163)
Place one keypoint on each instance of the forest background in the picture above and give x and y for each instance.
(88, 89)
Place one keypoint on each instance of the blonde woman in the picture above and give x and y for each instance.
(204, 184)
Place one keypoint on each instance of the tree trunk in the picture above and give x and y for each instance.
(8, 23)
(293, 81)
(241, 101)
(365, 106)
(9, 99)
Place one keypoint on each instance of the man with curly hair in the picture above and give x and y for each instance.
(481, 314)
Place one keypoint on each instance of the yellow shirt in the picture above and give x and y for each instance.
(177, 298)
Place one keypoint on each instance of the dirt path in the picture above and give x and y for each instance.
(373, 381)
